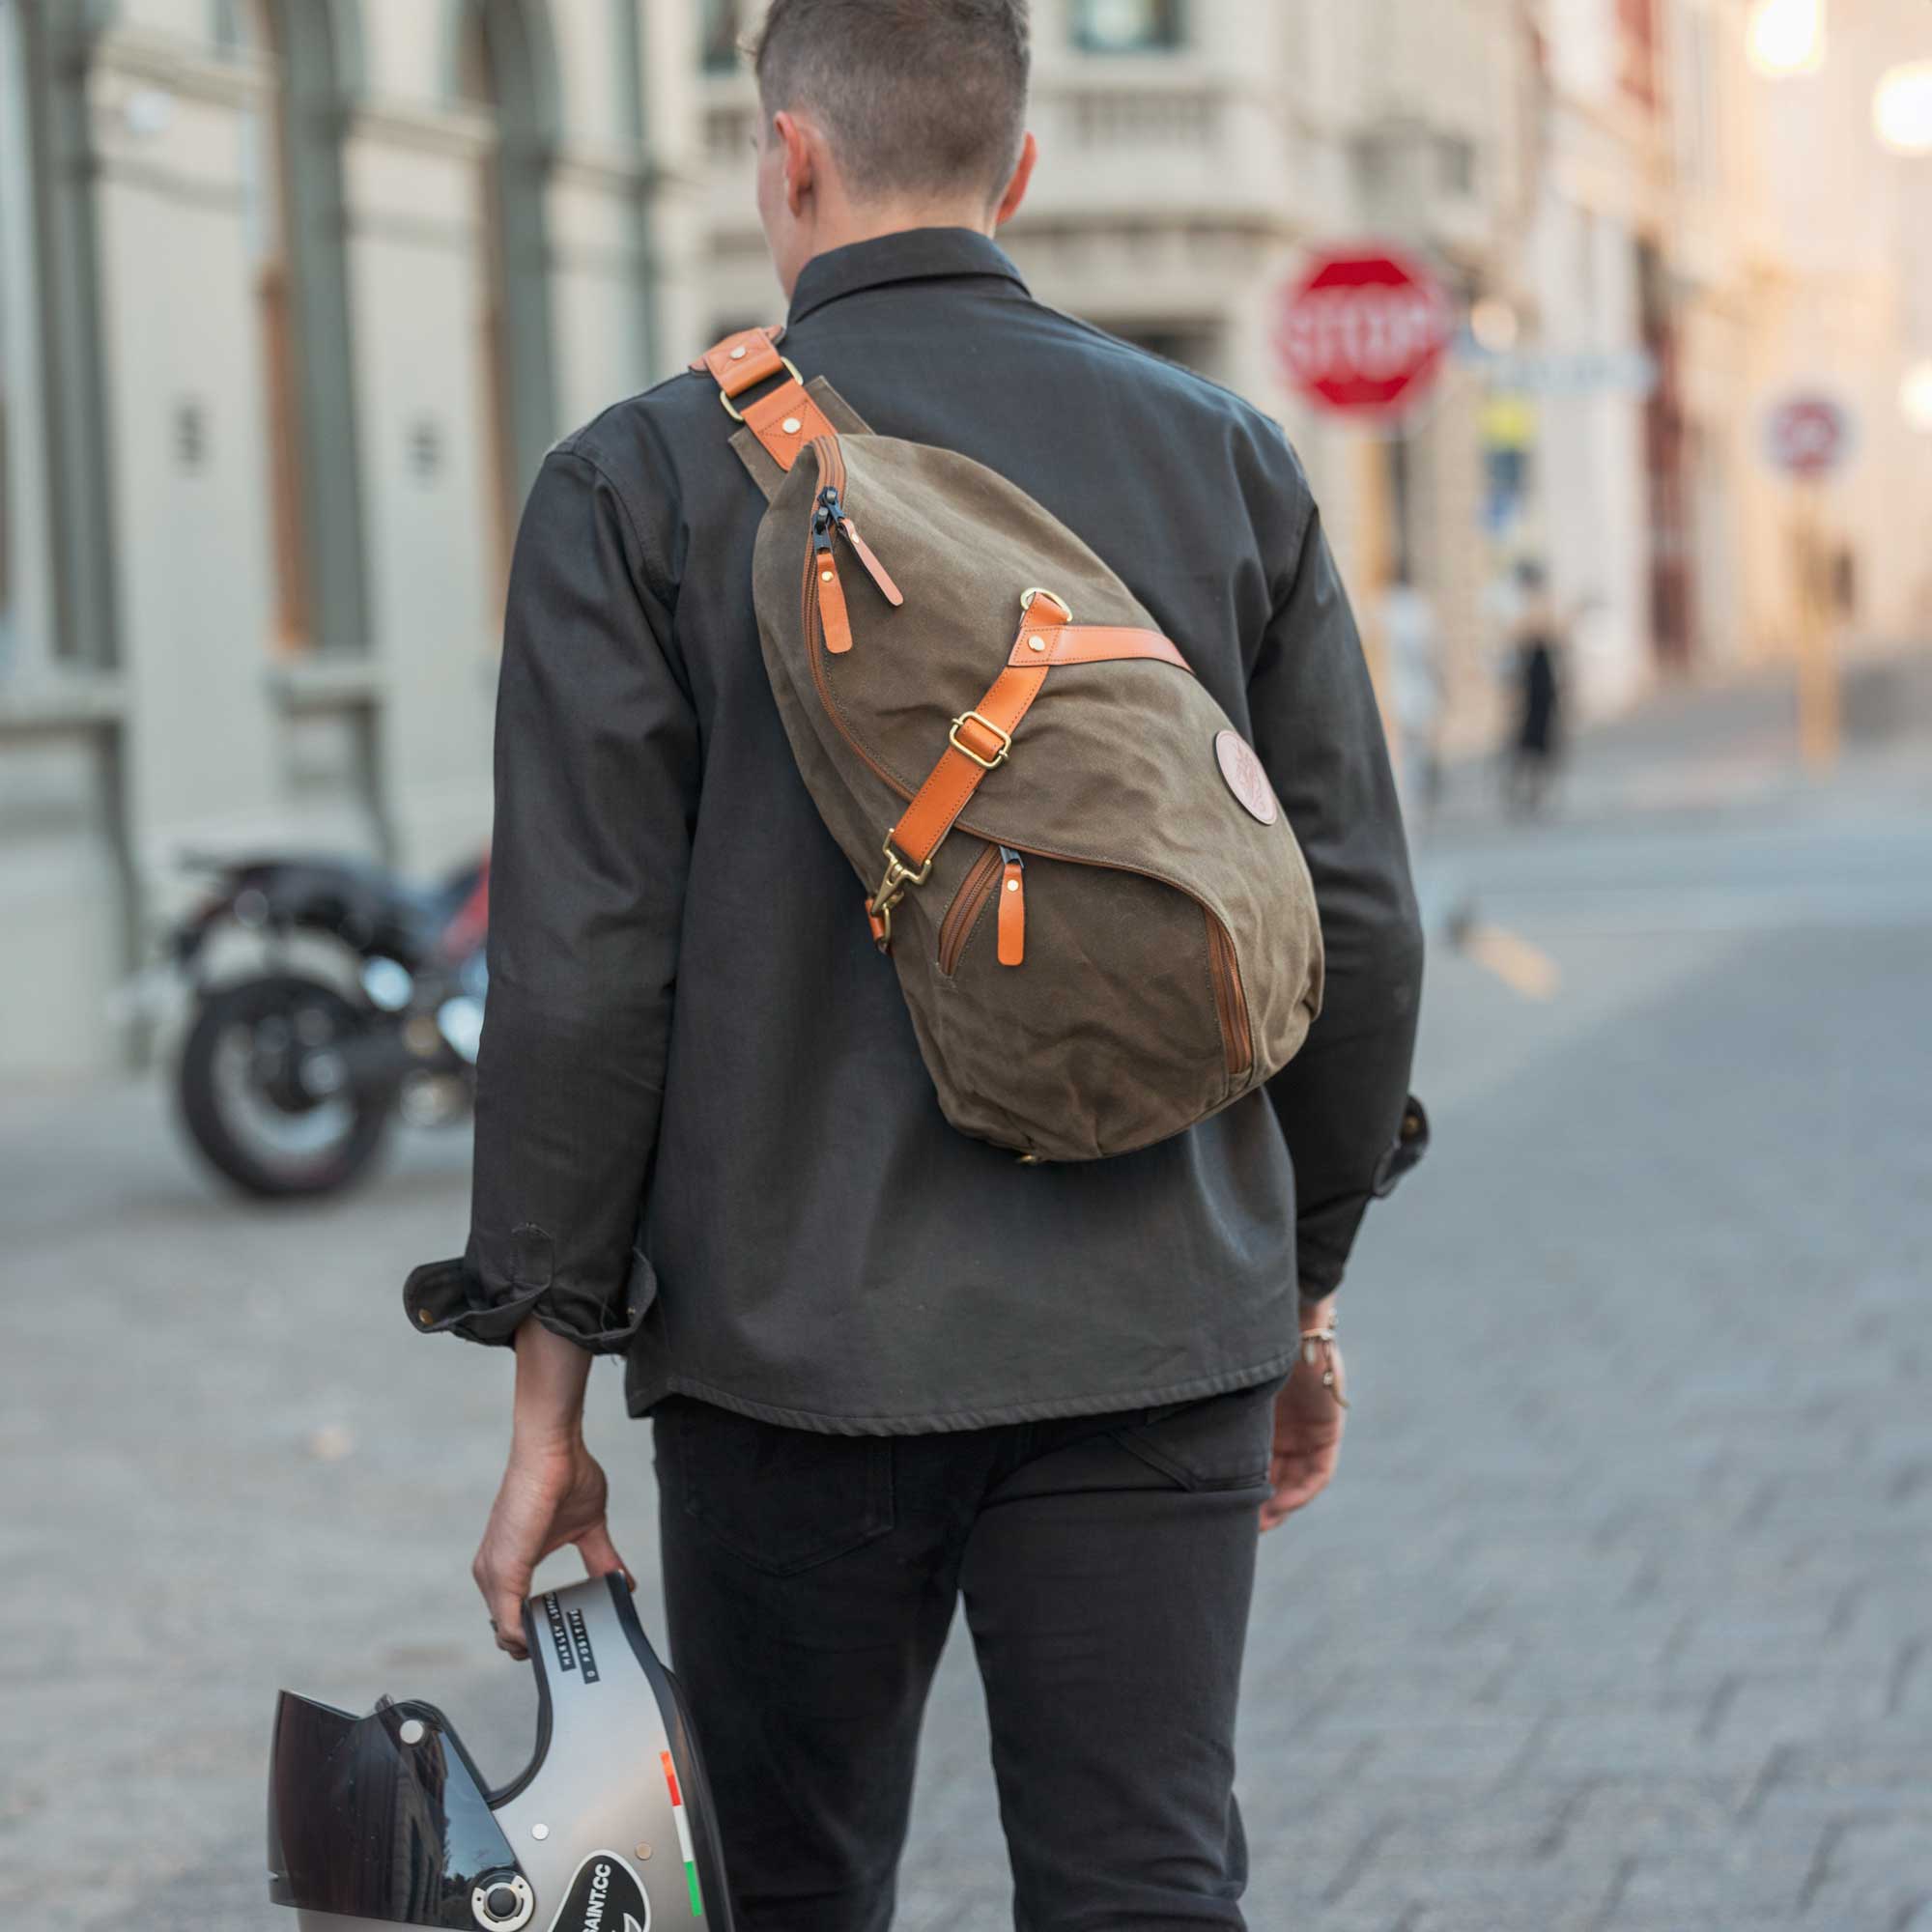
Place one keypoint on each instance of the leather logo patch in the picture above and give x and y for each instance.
(1246, 777)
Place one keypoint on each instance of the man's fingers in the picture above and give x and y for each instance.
(600, 1555)
(1297, 1482)
(507, 1619)
(503, 1602)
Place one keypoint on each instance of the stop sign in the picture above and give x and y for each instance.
(1363, 331)
(1808, 434)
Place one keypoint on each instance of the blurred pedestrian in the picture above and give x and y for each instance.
(892, 1368)
(1414, 643)
(1539, 647)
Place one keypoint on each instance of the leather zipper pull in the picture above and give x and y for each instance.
(832, 613)
(1012, 907)
(875, 569)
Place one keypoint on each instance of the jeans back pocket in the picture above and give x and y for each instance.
(782, 1499)
(1214, 1442)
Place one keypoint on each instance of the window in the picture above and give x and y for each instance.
(6, 452)
(292, 230)
(16, 282)
(6, 497)
(499, 411)
(1126, 26)
(506, 67)
(266, 223)
(718, 30)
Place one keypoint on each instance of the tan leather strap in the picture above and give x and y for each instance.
(1011, 924)
(785, 418)
(1094, 644)
(743, 361)
(980, 740)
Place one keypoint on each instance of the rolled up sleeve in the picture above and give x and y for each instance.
(1343, 1101)
(596, 778)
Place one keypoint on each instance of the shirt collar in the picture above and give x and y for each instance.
(913, 254)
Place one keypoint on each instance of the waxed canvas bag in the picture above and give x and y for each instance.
(1100, 919)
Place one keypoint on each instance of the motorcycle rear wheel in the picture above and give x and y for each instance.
(235, 1088)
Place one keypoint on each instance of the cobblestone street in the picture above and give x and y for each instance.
(1618, 1619)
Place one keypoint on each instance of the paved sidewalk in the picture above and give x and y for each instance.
(1619, 1619)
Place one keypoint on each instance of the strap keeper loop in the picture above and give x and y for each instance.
(732, 409)
(985, 724)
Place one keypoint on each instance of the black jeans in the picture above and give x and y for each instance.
(1106, 1563)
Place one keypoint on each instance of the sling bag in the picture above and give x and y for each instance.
(1101, 920)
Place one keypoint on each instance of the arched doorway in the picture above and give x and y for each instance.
(293, 208)
(505, 66)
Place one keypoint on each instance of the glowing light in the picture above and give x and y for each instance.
(1787, 37)
(1902, 108)
(1494, 324)
(1915, 397)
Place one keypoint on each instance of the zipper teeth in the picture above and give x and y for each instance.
(974, 889)
(1230, 1005)
(826, 449)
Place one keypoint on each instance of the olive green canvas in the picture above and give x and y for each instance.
(1112, 1033)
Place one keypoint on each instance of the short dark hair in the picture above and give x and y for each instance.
(915, 96)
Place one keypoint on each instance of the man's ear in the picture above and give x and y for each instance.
(799, 180)
(1016, 188)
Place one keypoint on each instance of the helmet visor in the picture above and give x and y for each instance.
(377, 1817)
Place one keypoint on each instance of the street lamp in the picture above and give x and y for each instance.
(1902, 108)
(1787, 37)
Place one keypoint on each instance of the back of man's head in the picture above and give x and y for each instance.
(917, 98)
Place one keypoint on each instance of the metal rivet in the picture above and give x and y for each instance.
(824, 576)
(643, 1850)
(790, 425)
(738, 354)
(539, 1832)
(1013, 885)
(413, 1731)
(1035, 643)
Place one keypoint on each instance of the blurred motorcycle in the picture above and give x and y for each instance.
(362, 1000)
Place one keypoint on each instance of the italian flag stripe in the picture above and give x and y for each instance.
(683, 1834)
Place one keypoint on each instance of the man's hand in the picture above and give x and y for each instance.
(553, 1491)
(1307, 1430)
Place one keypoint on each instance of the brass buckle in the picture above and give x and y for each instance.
(1052, 596)
(892, 889)
(791, 368)
(1005, 739)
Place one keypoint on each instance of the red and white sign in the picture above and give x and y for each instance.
(1808, 434)
(1364, 332)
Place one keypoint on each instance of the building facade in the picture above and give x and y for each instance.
(293, 293)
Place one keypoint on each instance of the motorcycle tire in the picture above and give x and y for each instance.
(225, 1145)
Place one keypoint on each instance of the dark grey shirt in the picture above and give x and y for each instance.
(704, 1136)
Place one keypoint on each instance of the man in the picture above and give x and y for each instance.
(890, 1368)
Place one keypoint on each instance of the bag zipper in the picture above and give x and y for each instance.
(1012, 907)
(833, 619)
(968, 903)
(1000, 869)
(1231, 1004)
(830, 518)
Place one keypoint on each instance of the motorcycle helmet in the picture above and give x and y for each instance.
(382, 1821)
